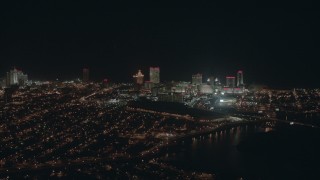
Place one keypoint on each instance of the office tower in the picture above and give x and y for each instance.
(85, 74)
(239, 78)
(197, 79)
(230, 81)
(138, 78)
(154, 74)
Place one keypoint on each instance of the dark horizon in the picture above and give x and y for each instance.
(277, 47)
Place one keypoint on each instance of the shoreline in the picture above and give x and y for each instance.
(155, 150)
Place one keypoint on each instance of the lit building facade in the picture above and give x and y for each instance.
(230, 81)
(22, 79)
(138, 78)
(181, 87)
(240, 78)
(13, 76)
(197, 79)
(227, 90)
(206, 89)
(155, 75)
(16, 77)
(171, 97)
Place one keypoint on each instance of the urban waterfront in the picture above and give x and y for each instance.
(265, 150)
(108, 131)
(146, 90)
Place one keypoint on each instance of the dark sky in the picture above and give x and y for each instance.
(278, 47)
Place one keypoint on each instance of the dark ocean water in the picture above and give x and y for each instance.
(255, 151)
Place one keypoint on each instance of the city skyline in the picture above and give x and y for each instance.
(274, 46)
(154, 77)
(82, 75)
(144, 90)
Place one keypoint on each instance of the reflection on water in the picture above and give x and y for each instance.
(218, 153)
(267, 129)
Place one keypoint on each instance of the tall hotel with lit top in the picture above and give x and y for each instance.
(138, 78)
(240, 78)
(155, 75)
(230, 81)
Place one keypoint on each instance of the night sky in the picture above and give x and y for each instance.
(278, 47)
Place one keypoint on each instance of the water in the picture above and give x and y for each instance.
(253, 152)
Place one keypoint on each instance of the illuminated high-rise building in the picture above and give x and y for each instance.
(13, 76)
(230, 81)
(154, 74)
(138, 78)
(85, 75)
(197, 79)
(22, 79)
(16, 77)
(240, 78)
